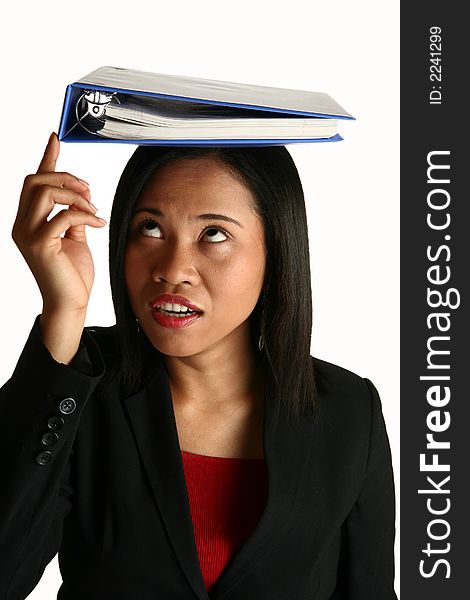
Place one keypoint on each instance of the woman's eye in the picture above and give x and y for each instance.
(212, 233)
(149, 228)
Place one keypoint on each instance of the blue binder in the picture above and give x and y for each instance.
(87, 100)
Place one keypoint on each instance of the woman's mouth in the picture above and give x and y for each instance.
(172, 319)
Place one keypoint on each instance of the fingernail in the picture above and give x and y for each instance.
(102, 220)
(93, 207)
(83, 182)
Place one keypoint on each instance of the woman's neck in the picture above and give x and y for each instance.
(217, 385)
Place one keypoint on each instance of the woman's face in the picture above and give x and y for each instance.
(178, 245)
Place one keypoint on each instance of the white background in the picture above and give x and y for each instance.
(347, 49)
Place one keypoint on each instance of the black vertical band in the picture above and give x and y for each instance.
(435, 316)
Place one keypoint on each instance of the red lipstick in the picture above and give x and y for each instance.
(167, 320)
(172, 299)
(174, 322)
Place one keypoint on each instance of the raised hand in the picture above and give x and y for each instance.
(56, 249)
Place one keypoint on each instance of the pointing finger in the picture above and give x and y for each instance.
(51, 154)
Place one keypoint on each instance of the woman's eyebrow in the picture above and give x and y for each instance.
(203, 217)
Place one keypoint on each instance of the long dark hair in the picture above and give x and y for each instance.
(283, 313)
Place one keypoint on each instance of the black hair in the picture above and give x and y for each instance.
(283, 313)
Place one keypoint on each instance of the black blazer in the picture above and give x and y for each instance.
(105, 488)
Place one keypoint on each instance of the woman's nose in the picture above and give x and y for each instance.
(174, 264)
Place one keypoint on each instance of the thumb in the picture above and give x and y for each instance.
(51, 154)
(76, 233)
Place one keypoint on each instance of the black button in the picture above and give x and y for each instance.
(55, 423)
(67, 406)
(44, 458)
(50, 438)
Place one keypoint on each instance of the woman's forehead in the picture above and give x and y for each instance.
(204, 180)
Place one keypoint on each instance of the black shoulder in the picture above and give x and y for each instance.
(101, 333)
(329, 374)
(342, 394)
(106, 339)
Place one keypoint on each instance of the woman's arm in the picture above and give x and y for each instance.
(40, 408)
(40, 405)
(56, 249)
(366, 568)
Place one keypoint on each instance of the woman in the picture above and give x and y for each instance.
(200, 456)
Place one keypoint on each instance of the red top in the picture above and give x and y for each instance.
(227, 497)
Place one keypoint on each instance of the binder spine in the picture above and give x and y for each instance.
(83, 113)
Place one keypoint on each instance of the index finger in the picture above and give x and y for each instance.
(51, 154)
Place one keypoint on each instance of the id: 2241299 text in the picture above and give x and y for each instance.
(435, 66)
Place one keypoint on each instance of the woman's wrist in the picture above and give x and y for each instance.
(61, 332)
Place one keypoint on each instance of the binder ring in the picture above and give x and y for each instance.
(96, 103)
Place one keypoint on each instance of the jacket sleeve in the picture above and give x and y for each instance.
(366, 566)
(40, 407)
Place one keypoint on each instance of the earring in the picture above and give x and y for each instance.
(137, 325)
(261, 337)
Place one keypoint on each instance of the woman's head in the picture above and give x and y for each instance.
(266, 262)
(195, 233)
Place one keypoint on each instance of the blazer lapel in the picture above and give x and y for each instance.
(285, 457)
(153, 422)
